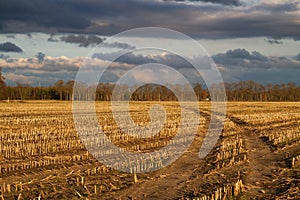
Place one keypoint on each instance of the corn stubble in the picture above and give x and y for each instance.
(42, 156)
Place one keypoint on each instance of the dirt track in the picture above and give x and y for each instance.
(261, 173)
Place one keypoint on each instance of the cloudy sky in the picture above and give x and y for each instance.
(42, 41)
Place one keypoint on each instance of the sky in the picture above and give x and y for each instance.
(43, 41)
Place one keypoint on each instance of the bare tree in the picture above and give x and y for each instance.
(69, 89)
(59, 86)
(2, 86)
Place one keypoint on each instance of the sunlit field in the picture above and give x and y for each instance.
(257, 154)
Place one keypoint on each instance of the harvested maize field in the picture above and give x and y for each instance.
(257, 155)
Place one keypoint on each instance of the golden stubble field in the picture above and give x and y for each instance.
(257, 155)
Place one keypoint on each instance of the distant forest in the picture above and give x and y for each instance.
(241, 91)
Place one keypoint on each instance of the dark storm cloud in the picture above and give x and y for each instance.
(274, 41)
(224, 2)
(4, 57)
(85, 41)
(136, 59)
(40, 56)
(139, 59)
(275, 8)
(82, 40)
(107, 17)
(297, 57)
(240, 65)
(128, 58)
(241, 58)
(240, 54)
(270, 25)
(10, 47)
(40, 14)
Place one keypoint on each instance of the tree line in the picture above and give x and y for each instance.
(241, 91)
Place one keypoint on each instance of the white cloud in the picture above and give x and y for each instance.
(14, 78)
